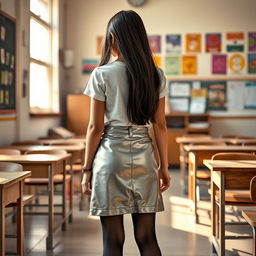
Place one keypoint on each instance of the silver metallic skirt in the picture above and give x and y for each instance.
(125, 178)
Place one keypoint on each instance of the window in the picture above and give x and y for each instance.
(44, 93)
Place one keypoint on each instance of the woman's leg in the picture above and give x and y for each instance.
(113, 235)
(144, 232)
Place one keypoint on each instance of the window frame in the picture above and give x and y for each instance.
(48, 65)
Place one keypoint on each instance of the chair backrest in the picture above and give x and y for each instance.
(246, 137)
(229, 136)
(250, 143)
(196, 135)
(49, 152)
(10, 167)
(27, 142)
(9, 152)
(71, 143)
(253, 188)
(216, 143)
(234, 156)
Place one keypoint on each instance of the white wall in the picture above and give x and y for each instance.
(87, 19)
(24, 127)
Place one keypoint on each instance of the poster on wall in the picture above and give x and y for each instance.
(236, 63)
(179, 104)
(179, 89)
(193, 43)
(216, 95)
(155, 43)
(213, 42)
(252, 63)
(172, 65)
(219, 64)
(235, 88)
(252, 41)
(189, 64)
(235, 42)
(99, 44)
(173, 43)
(88, 65)
(250, 95)
(157, 60)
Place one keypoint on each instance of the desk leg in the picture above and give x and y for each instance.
(20, 228)
(2, 224)
(213, 214)
(222, 215)
(64, 224)
(71, 192)
(49, 239)
(254, 241)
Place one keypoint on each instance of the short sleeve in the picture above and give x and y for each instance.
(95, 87)
(163, 87)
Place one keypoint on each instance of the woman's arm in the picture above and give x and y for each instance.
(93, 137)
(160, 131)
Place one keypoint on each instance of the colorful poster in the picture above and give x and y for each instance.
(216, 95)
(88, 65)
(99, 45)
(213, 42)
(189, 65)
(252, 63)
(252, 41)
(236, 63)
(155, 43)
(219, 64)
(157, 61)
(235, 42)
(172, 65)
(193, 43)
(173, 43)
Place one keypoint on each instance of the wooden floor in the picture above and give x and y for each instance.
(176, 231)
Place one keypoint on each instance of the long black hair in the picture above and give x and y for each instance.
(143, 77)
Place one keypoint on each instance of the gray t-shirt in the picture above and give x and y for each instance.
(109, 83)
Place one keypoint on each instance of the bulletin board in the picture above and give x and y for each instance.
(7, 63)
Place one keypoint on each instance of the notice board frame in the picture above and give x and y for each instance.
(8, 68)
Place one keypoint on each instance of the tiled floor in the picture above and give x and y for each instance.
(176, 231)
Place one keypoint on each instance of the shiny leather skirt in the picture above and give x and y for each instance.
(125, 173)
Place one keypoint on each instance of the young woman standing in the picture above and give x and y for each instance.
(120, 170)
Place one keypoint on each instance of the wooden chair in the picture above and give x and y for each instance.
(250, 216)
(27, 142)
(203, 173)
(76, 158)
(43, 182)
(9, 152)
(235, 197)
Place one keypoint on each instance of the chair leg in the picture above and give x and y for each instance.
(254, 241)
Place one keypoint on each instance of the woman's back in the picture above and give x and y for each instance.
(109, 83)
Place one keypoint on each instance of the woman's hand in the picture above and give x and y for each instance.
(86, 183)
(165, 179)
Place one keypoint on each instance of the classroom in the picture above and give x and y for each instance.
(92, 147)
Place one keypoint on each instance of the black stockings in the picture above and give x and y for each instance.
(113, 235)
(144, 232)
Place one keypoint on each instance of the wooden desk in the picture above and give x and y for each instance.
(182, 141)
(72, 140)
(77, 151)
(46, 166)
(226, 175)
(197, 154)
(11, 190)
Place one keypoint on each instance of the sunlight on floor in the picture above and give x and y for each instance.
(182, 217)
